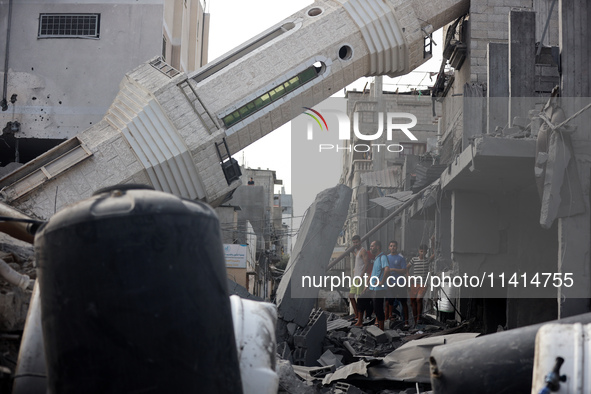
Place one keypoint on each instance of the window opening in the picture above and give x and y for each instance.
(69, 26)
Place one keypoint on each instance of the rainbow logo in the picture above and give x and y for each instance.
(315, 118)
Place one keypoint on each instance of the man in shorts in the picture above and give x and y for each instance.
(419, 268)
(377, 283)
(397, 267)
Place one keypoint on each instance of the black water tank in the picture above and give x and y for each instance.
(134, 297)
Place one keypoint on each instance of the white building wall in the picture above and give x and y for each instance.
(186, 32)
(64, 85)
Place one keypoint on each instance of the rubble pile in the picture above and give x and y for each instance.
(14, 301)
(332, 355)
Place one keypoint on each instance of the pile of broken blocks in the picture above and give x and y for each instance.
(331, 355)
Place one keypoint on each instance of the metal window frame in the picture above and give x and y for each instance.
(413, 146)
(94, 33)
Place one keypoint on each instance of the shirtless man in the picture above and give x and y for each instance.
(360, 263)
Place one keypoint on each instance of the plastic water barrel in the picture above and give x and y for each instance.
(134, 297)
(444, 304)
(570, 342)
(30, 374)
(254, 325)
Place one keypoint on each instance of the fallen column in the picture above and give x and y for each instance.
(311, 254)
(177, 132)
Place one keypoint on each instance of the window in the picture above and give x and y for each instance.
(272, 95)
(69, 25)
(413, 148)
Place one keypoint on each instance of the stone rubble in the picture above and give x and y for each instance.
(343, 346)
(14, 302)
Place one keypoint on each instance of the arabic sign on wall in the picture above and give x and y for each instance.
(235, 255)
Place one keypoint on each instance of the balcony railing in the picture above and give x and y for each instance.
(362, 165)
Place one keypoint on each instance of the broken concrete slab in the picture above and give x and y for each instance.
(337, 324)
(308, 341)
(410, 362)
(345, 388)
(328, 358)
(357, 368)
(314, 331)
(350, 345)
(284, 352)
(311, 253)
(14, 301)
(288, 380)
(393, 334)
(379, 335)
(356, 331)
(240, 291)
(13, 309)
(521, 122)
(291, 328)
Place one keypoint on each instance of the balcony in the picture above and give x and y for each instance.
(362, 165)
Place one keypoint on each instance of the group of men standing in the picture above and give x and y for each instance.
(380, 294)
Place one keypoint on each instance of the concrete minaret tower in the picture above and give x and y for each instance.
(176, 132)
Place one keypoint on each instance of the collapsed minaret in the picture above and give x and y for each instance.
(177, 132)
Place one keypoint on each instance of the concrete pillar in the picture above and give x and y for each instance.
(498, 85)
(311, 254)
(574, 232)
(473, 114)
(574, 48)
(443, 228)
(542, 9)
(522, 62)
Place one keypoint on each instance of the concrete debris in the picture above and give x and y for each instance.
(331, 301)
(240, 291)
(357, 368)
(14, 301)
(393, 334)
(337, 324)
(289, 382)
(410, 362)
(328, 358)
(8, 168)
(13, 308)
(379, 335)
(310, 256)
(345, 388)
(365, 359)
(308, 341)
(284, 352)
(291, 328)
(311, 374)
(521, 122)
(12, 276)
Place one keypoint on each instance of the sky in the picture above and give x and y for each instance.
(233, 22)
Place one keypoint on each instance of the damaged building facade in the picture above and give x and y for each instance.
(509, 189)
(382, 179)
(55, 52)
(486, 209)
